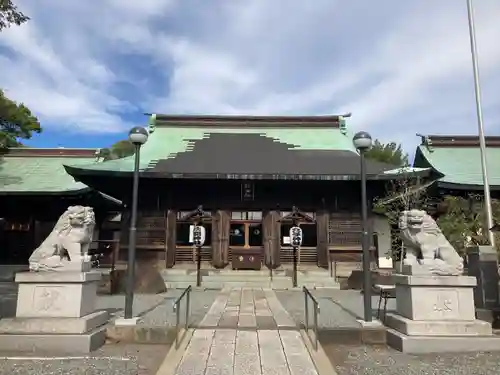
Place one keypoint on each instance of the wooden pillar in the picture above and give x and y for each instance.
(271, 229)
(266, 238)
(220, 239)
(322, 218)
(224, 235)
(170, 237)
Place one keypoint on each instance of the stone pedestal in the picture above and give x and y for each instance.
(436, 314)
(55, 313)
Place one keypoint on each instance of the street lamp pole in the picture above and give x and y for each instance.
(138, 136)
(363, 141)
(479, 111)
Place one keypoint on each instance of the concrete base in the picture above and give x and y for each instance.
(441, 344)
(435, 314)
(55, 313)
(56, 294)
(72, 326)
(437, 328)
(54, 343)
(373, 324)
(127, 322)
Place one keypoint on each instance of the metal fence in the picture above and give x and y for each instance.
(308, 296)
(177, 309)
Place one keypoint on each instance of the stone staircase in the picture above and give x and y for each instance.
(178, 278)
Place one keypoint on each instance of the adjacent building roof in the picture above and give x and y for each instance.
(41, 170)
(243, 147)
(458, 159)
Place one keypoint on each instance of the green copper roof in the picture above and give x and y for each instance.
(460, 165)
(166, 142)
(39, 174)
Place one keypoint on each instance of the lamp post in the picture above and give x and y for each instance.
(138, 136)
(479, 114)
(363, 142)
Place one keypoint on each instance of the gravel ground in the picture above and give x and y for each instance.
(155, 309)
(352, 301)
(143, 303)
(332, 315)
(109, 360)
(374, 360)
(164, 315)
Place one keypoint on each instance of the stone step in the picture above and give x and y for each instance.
(179, 284)
(245, 284)
(221, 285)
(177, 278)
(315, 278)
(174, 271)
(238, 278)
(228, 272)
(242, 284)
(320, 285)
(320, 273)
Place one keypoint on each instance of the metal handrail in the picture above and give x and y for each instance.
(307, 296)
(177, 311)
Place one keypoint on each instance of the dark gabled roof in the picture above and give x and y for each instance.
(458, 159)
(248, 156)
(243, 147)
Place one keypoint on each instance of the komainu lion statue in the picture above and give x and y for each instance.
(426, 246)
(66, 247)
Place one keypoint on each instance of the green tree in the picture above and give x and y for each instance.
(390, 153)
(16, 122)
(122, 149)
(463, 221)
(402, 194)
(118, 150)
(10, 15)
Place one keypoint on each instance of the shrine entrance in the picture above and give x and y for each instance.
(246, 240)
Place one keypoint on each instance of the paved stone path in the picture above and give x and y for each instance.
(246, 308)
(232, 341)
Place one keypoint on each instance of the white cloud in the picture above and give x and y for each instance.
(399, 67)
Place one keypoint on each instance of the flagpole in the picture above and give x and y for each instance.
(482, 140)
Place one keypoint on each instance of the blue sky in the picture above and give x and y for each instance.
(90, 69)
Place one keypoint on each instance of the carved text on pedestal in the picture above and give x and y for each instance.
(445, 303)
(48, 299)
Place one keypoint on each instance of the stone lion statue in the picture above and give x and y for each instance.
(67, 245)
(426, 246)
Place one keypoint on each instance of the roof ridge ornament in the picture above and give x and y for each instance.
(343, 123)
(426, 141)
(152, 123)
(99, 155)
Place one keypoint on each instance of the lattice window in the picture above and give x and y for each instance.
(246, 215)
